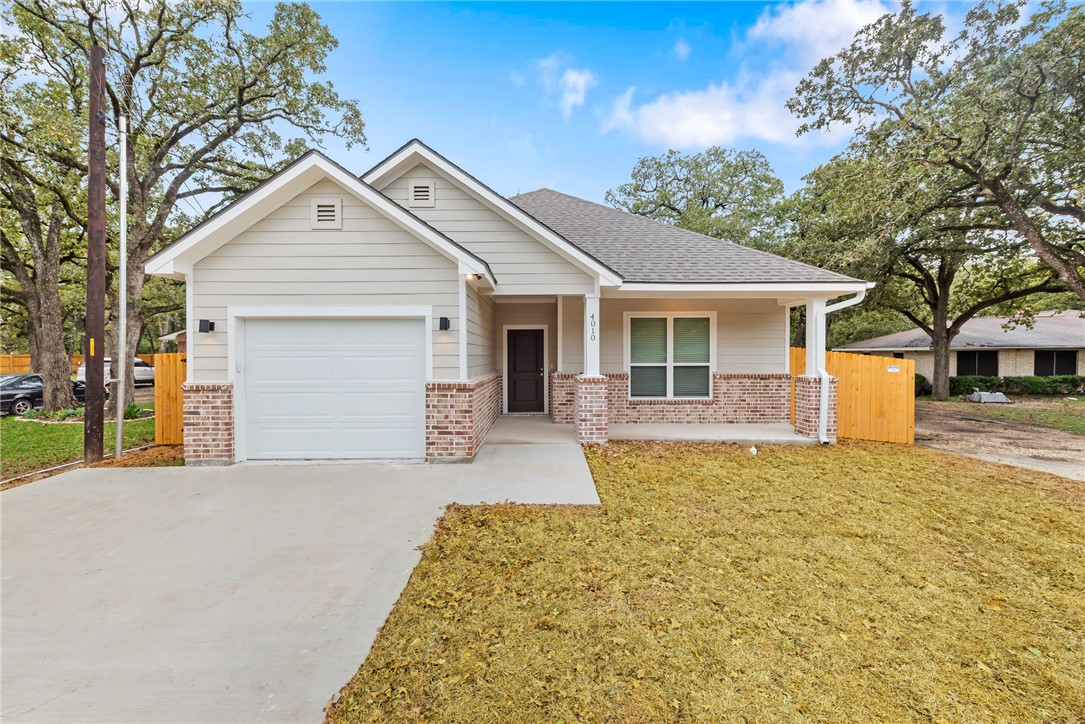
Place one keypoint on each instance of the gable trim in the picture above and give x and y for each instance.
(414, 151)
(177, 259)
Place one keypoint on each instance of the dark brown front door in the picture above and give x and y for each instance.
(525, 370)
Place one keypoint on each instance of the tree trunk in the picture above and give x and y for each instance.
(940, 347)
(54, 365)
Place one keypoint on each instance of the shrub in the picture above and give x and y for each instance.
(922, 386)
(132, 412)
(1029, 385)
(58, 415)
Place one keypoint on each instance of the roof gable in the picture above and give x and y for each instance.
(415, 152)
(176, 260)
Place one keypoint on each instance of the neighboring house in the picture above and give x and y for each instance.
(1055, 345)
(179, 338)
(397, 315)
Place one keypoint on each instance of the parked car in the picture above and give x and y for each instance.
(143, 373)
(19, 394)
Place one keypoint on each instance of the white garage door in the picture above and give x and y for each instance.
(334, 388)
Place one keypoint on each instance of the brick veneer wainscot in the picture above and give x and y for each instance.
(208, 423)
(736, 398)
(590, 410)
(562, 392)
(458, 416)
(808, 404)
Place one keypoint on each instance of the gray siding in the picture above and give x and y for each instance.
(480, 333)
(527, 314)
(281, 261)
(750, 333)
(521, 264)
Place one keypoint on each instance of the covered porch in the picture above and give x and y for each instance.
(681, 364)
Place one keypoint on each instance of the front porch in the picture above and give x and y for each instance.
(540, 429)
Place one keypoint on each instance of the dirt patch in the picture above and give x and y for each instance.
(965, 429)
(157, 456)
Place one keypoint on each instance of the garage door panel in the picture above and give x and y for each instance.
(341, 388)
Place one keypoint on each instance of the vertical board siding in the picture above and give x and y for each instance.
(521, 263)
(280, 261)
(169, 375)
(872, 403)
(19, 364)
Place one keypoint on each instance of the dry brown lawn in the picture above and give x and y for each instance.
(864, 582)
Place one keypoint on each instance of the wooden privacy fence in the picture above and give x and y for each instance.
(17, 364)
(169, 375)
(875, 396)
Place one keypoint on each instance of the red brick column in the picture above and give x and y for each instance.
(458, 416)
(208, 423)
(562, 394)
(808, 405)
(590, 410)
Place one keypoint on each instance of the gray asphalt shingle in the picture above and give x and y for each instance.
(642, 250)
(1052, 329)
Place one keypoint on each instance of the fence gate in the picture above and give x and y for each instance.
(875, 396)
(169, 375)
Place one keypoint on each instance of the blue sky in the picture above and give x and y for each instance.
(569, 96)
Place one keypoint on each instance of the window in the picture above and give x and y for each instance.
(983, 363)
(421, 194)
(1055, 362)
(898, 355)
(326, 213)
(670, 356)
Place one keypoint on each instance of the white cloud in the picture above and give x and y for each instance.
(815, 29)
(751, 105)
(574, 89)
(681, 50)
(549, 68)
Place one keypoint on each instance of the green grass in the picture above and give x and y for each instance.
(28, 446)
(856, 583)
(1061, 415)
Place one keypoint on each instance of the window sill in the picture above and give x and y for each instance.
(671, 401)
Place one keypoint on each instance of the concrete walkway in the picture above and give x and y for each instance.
(775, 434)
(250, 593)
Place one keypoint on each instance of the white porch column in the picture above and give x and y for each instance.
(815, 336)
(591, 335)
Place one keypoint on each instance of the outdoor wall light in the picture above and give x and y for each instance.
(207, 325)
(444, 324)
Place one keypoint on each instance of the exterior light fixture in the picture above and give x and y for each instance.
(445, 324)
(207, 325)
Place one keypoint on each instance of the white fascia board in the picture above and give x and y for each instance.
(785, 290)
(177, 261)
(394, 166)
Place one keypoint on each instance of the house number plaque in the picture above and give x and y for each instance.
(592, 325)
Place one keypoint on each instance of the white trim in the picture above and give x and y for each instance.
(808, 289)
(235, 343)
(670, 364)
(593, 326)
(560, 335)
(410, 155)
(190, 309)
(276, 191)
(463, 327)
(505, 364)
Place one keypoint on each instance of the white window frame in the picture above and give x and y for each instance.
(670, 363)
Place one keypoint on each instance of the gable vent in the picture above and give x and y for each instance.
(326, 213)
(421, 193)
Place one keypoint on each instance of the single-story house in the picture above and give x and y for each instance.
(179, 338)
(1054, 345)
(396, 315)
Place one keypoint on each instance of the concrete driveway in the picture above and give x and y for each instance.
(249, 593)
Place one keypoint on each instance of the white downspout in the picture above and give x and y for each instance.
(823, 411)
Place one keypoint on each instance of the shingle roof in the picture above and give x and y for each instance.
(642, 250)
(1052, 329)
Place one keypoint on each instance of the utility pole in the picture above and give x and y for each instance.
(94, 418)
(122, 339)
